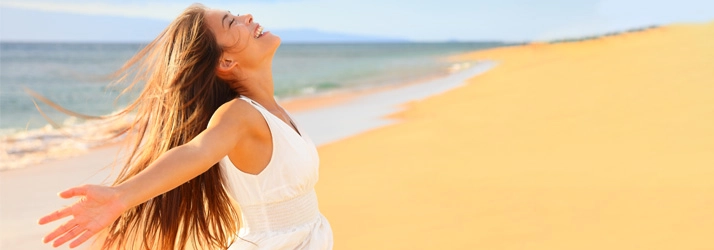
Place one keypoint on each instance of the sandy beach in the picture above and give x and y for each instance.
(600, 144)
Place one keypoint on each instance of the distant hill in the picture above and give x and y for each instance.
(316, 36)
(21, 25)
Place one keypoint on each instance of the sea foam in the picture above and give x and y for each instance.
(30, 147)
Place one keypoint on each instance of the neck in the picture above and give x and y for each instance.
(258, 86)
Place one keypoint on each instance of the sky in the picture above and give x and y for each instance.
(414, 20)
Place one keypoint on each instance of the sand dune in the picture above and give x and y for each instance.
(601, 144)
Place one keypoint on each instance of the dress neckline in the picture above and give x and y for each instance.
(290, 124)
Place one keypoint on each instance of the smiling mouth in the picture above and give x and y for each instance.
(258, 32)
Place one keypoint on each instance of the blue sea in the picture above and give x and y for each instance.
(76, 76)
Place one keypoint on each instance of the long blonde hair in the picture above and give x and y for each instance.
(181, 93)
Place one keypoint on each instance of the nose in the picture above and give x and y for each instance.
(247, 18)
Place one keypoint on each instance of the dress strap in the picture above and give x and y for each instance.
(254, 103)
(262, 109)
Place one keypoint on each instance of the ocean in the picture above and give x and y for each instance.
(76, 76)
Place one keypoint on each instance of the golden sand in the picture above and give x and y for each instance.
(601, 144)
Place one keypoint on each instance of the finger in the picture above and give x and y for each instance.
(56, 215)
(68, 236)
(82, 238)
(75, 191)
(64, 228)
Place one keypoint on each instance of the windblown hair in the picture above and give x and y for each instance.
(181, 93)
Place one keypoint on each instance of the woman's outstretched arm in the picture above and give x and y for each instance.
(99, 206)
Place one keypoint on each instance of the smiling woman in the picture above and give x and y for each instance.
(208, 133)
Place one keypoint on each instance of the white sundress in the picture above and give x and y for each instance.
(279, 206)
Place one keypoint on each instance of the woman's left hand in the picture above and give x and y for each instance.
(97, 208)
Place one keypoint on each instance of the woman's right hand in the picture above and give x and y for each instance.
(97, 208)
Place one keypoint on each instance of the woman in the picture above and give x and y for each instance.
(209, 132)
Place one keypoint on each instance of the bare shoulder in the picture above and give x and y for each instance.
(236, 113)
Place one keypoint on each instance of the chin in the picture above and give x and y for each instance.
(271, 46)
(275, 40)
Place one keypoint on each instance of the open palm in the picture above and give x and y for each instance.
(96, 209)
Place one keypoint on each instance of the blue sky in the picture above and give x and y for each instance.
(428, 20)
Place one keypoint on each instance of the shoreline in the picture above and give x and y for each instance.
(597, 144)
(368, 109)
(301, 103)
(57, 145)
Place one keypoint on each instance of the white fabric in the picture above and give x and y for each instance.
(278, 206)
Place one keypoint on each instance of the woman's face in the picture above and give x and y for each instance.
(242, 39)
